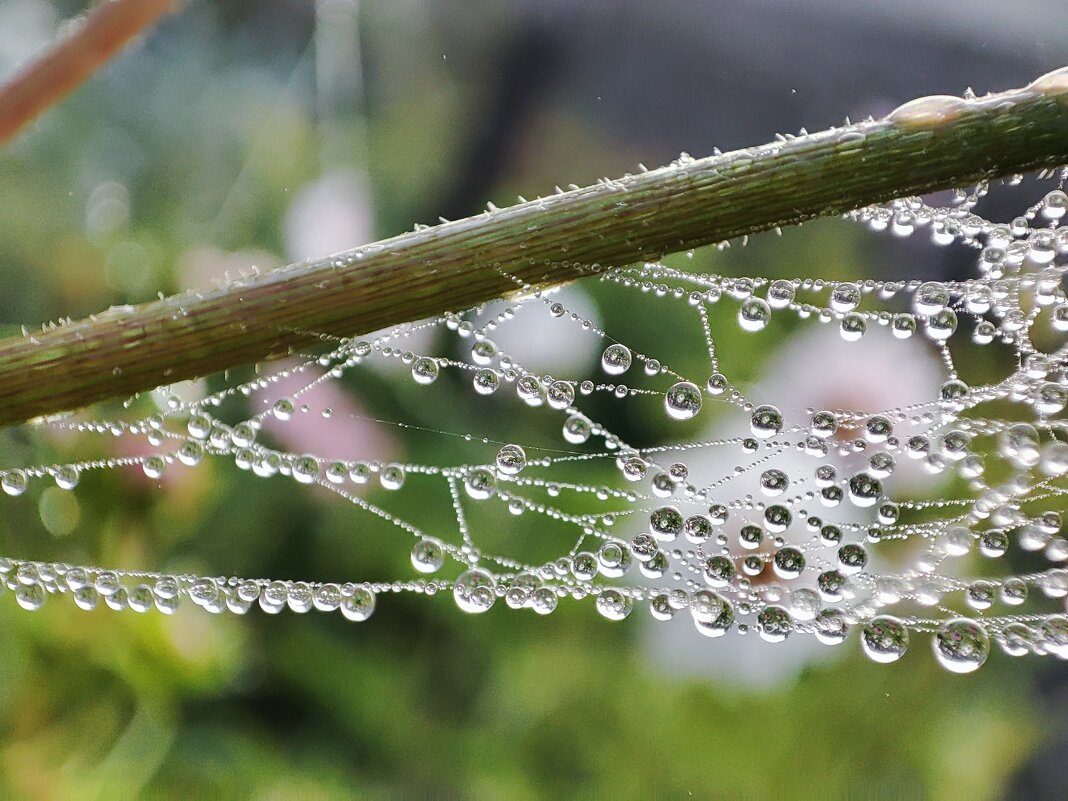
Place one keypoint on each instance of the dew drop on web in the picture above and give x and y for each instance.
(905, 417)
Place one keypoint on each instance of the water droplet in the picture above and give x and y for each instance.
(683, 400)
(67, 477)
(706, 606)
(242, 435)
(1016, 639)
(766, 421)
(961, 646)
(560, 395)
(660, 607)
(666, 523)
(199, 426)
(475, 591)
(775, 623)
(1054, 205)
(31, 597)
(486, 381)
(154, 467)
(577, 429)
(480, 484)
(884, 639)
(544, 601)
(719, 571)
(719, 625)
(788, 563)
(614, 605)
(831, 627)
(283, 409)
(634, 468)
(305, 469)
(191, 453)
(852, 327)
(864, 490)
(511, 459)
(777, 518)
(852, 558)
(425, 370)
(1020, 445)
(754, 314)
(14, 481)
(955, 541)
(831, 585)
(392, 477)
(717, 384)
(931, 298)
(928, 112)
(1050, 398)
(781, 294)
(980, 595)
(86, 598)
(616, 359)
(483, 352)
(697, 528)
(903, 325)
(750, 536)
(993, 543)
(327, 598)
(942, 324)
(529, 390)
(584, 566)
(359, 606)
(1053, 635)
(878, 428)
(845, 297)
(427, 555)
(718, 514)
(830, 534)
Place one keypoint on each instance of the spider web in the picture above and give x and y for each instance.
(659, 481)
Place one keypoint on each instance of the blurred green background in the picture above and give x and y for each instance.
(258, 133)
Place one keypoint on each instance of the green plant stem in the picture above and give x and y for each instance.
(538, 243)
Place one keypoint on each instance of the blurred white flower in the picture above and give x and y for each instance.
(329, 215)
(545, 346)
(815, 369)
(26, 27)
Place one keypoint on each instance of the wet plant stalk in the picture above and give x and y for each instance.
(538, 243)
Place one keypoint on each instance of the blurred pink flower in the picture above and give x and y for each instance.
(348, 433)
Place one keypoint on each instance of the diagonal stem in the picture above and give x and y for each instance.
(927, 145)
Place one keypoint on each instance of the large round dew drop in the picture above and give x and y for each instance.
(754, 314)
(614, 605)
(616, 359)
(884, 639)
(511, 459)
(766, 421)
(961, 646)
(475, 591)
(683, 401)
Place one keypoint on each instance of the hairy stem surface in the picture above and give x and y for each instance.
(924, 146)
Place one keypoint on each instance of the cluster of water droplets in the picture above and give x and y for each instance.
(821, 546)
